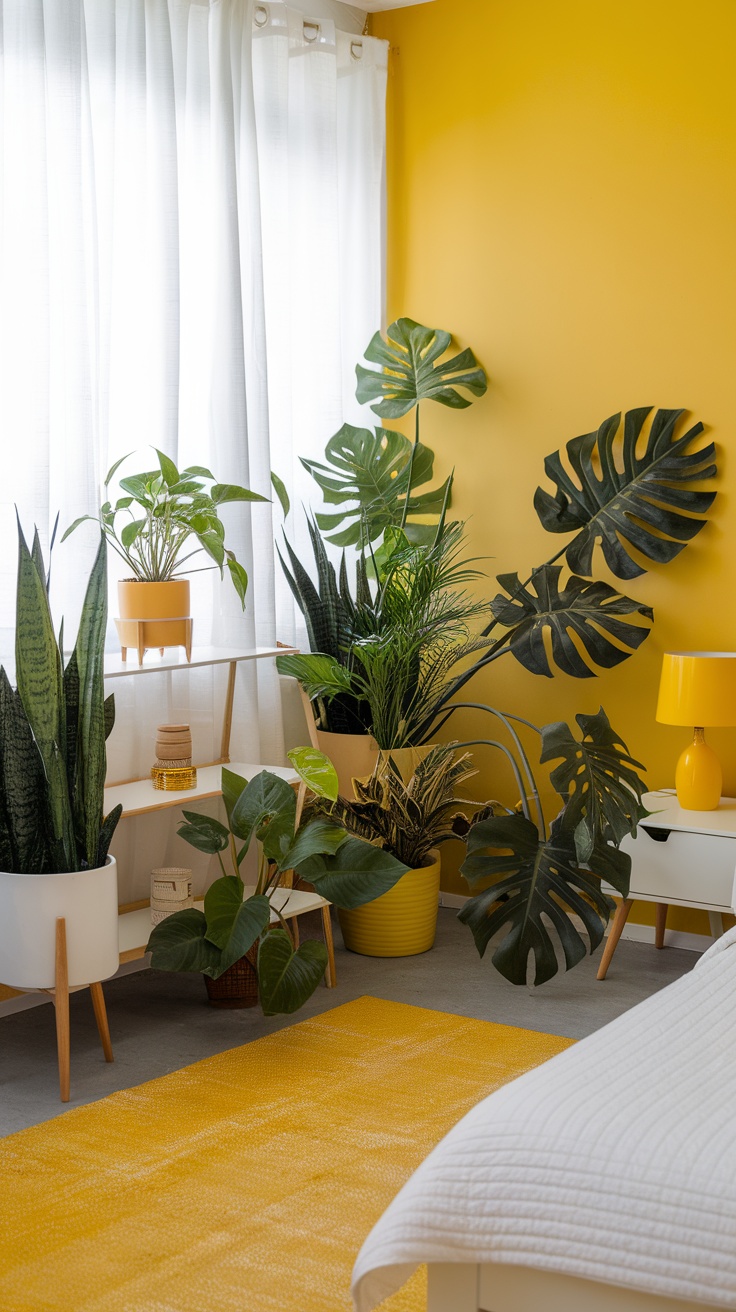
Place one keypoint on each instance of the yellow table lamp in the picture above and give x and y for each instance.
(698, 688)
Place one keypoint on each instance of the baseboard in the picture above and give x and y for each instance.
(27, 1000)
(674, 938)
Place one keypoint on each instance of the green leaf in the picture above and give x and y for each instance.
(266, 807)
(591, 611)
(412, 370)
(537, 886)
(22, 788)
(40, 684)
(358, 873)
(212, 544)
(169, 471)
(109, 825)
(238, 576)
(597, 779)
(368, 475)
(626, 500)
(319, 675)
(81, 520)
(113, 469)
(252, 919)
(223, 492)
(179, 943)
(109, 705)
(203, 832)
(279, 488)
(222, 901)
(90, 657)
(232, 786)
(132, 531)
(316, 770)
(315, 838)
(199, 471)
(140, 489)
(287, 979)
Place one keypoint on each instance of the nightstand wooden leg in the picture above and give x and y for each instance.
(619, 920)
(715, 919)
(61, 1003)
(330, 974)
(98, 1002)
(660, 924)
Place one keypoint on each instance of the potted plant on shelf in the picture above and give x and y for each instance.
(410, 819)
(241, 942)
(164, 518)
(58, 882)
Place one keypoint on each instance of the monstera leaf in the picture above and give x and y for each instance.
(597, 779)
(590, 610)
(628, 499)
(412, 370)
(538, 884)
(368, 474)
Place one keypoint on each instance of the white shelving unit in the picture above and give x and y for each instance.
(139, 797)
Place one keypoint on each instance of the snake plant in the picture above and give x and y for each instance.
(53, 728)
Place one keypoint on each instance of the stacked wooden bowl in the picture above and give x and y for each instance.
(173, 767)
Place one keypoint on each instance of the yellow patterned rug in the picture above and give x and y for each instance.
(245, 1183)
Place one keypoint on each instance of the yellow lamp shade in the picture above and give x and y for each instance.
(698, 688)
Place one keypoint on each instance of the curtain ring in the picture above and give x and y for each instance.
(260, 15)
(356, 49)
(313, 28)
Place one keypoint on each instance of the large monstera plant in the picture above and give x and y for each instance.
(633, 488)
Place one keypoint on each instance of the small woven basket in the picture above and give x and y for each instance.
(237, 986)
(171, 890)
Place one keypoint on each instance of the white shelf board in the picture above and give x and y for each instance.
(134, 927)
(668, 815)
(175, 659)
(140, 796)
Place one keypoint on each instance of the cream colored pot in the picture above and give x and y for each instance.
(30, 906)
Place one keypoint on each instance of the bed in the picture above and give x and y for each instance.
(602, 1181)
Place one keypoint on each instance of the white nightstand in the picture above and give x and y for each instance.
(679, 858)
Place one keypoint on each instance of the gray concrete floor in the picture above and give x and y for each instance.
(161, 1022)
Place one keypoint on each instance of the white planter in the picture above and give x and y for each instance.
(30, 906)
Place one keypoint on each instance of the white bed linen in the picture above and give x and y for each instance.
(615, 1161)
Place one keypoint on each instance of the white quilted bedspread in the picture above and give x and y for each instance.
(615, 1161)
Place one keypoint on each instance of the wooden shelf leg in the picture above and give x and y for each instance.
(660, 924)
(227, 715)
(141, 642)
(61, 1002)
(189, 629)
(715, 920)
(619, 920)
(98, 1002)
(330, 974)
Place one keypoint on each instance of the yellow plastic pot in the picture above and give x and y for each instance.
(400, 923)
(154, 615)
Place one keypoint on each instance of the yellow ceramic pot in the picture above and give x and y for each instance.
(353, 755)
(400, 923)
(154, 615)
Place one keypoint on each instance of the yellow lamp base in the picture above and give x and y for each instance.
(698, 777)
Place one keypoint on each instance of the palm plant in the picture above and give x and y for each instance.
(53, 729)
(398, 649)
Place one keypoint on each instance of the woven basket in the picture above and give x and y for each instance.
(171, 890)
(238, 986)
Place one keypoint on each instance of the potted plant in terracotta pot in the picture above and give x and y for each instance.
(58, 883)
(164, 518)
(410, 819)
(240, 941)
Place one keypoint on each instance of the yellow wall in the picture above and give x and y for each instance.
(562, 196)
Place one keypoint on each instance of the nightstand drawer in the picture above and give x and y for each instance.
(683, 866)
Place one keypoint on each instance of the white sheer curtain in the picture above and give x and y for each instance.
(190, 257)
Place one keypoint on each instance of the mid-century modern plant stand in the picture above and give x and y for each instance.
(679, 858)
